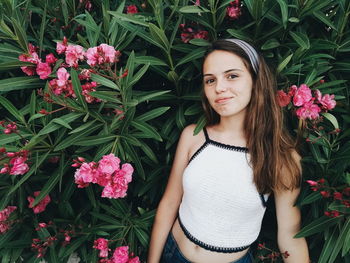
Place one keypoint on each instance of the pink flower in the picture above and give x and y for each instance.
(302, 95)
(134, 260)
(201, 35)
(197, 3)
(86, 174)
(62, 76)
(292, 90)
(102, 245)
(233, 11)
(43, 70)
(131, 9)
(327, 101)
(101, 54)
(74, 53)
(121, 255)
(50, 58)
(109, 164)
(41, 206)
(19, 166)
(308, 111)
(30, 71)
(61, 47)
(312, 183)
(5, 224)
(128, 170)
(283, 98)
(117, 190)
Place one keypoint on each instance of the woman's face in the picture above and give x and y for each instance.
(227, 83)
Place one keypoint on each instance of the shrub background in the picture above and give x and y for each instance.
(304, 41)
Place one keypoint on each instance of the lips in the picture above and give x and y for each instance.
(223, 100)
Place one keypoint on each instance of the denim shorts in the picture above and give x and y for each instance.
(172, 253)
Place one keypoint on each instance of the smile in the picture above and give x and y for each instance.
(223, 100)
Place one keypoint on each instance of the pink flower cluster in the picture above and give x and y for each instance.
(233, 11)
(17, 162)
(189, 33)
(43, 69)
(101, 55)
(5, 224)
(120, 254)
(308, 107)
(63, 85)
(338, 195)
(131, 9)
(9, 128)
(106, 173)
(41, 245)
(41, 206)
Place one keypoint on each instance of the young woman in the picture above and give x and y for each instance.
(214, 203)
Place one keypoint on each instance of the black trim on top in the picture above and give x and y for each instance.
(264, 203)
(210, 247)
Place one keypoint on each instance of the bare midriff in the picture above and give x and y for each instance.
(197, 254)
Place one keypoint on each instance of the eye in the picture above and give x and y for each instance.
(232, 76)
(209, 81)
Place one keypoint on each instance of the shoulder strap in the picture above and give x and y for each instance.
(206, 134)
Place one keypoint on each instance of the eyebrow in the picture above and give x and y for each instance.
(226, 71)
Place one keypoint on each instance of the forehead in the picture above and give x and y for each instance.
(220, 61)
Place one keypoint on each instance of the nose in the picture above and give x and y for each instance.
(220, 86)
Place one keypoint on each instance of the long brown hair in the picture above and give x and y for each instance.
(271, 148)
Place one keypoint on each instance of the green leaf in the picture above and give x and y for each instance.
(106, 96)
(142, 236)
(151, 95)
(139, 75)
(159, 36)
(199, 125)
(152, 114)
(318, 225)
(328, 247)
(146, 128)
(239, 34)
(56, 124)
(314, 196)
(284, 63)
(284, 12)
(332, 119)
(346, 246)
(195, 54)
(270, 44)
(148, 151)
(83, 127)
(20, 34)
(340, 241)
(77, 88)
(104, 81)
(301, 39)
(128, 18)
(62, 123)
(94, 140)
(12, 109)
(323, 18)
(199, 42)
(19, 83)
(64, 11)
(153, 61)
(193, 9)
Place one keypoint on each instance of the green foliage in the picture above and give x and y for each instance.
(303, 41)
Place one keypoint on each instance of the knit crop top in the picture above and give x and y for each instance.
(221, 209)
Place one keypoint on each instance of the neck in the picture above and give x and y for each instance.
(233, 124)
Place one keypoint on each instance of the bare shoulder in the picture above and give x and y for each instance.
(191, 140)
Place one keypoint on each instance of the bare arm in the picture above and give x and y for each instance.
(288, 221)
(170, 202)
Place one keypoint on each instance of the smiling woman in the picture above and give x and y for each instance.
(215, 199)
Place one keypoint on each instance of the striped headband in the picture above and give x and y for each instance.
(249, 50)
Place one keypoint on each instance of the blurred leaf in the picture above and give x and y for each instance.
(328, 247)
(317, 226)
(284, 12)
(146, 128)
(301, 39)
(77, 88)
(12, 109)
(332, 119)
(104, 81)
(284, 63)
(193, 9)
(159, 36)
(152, 114)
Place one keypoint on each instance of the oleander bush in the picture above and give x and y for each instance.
(94, 95)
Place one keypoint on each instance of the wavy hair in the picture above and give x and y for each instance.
(271, 148)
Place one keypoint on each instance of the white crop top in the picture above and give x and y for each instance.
(221, 209)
